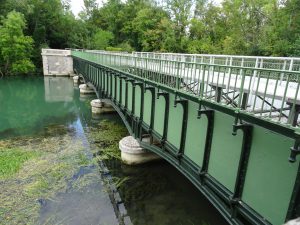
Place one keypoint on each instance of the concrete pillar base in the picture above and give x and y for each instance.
(76, 79)
(99, 107)
(293, 222)
(85, 89)
(133, 154)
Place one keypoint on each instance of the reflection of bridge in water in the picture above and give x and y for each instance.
(228, 123)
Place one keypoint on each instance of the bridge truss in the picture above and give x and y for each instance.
(228, 127)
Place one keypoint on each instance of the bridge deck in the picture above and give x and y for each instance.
(233, 153)
(230, 81)
(267, 93)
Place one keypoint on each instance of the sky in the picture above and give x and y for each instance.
(76, 5)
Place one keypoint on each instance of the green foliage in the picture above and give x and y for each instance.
(296, 47)
(113, 49)
(249, 27)
(11, 160)
(125, 47)
(15, 47)
(101, 39)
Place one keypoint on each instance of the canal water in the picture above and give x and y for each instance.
(60, 180)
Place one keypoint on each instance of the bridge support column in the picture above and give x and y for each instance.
(133, 154)
(76, 79)
(98, 107)
(85, 89)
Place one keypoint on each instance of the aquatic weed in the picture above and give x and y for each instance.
(11, 160)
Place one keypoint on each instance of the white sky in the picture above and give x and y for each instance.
(77, 5)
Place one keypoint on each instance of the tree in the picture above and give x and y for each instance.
(180, 14)
(15, 47)
(89, 7)
(101, 39)
(147, 26)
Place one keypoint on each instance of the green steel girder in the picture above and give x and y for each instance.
(229, 202)
(286, 130)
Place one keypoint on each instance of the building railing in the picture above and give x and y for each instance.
(268, 93)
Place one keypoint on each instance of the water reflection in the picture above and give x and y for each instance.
(58, 89)
(155, 193)
(29, 104)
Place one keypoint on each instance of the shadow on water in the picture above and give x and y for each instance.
(153, 194)
(156, 193)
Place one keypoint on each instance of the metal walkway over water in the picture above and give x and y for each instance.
(228, 123)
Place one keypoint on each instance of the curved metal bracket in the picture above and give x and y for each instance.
(184, 104)
(166, 120)
(164, 94)
(209, 113)
(150, 88)
(140, 84)
(295, 150)
(152, 91)
(127, 79)
(243, 162)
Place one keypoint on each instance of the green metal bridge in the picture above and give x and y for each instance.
(229, 124)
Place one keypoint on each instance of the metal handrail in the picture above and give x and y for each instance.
(271, 94)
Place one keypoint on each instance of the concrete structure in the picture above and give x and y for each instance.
(293, 222)
(133, 154)
(86, 89)
(57, 62)
(96, 105)
(76, 79)
(99, 106)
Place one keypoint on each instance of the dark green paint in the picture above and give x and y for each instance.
(269, 177)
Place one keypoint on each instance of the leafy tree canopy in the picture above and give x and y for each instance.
(244, 27)
(15, 47)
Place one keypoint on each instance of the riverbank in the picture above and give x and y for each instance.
(35, 169)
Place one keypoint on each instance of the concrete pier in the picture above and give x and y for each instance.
(293, 222)
(99, 107)
(76, 79)
(86, 89)
(133, 154)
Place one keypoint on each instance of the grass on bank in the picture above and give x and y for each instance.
(11, 160)
(37, 168)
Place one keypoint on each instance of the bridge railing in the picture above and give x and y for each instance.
(278, 63)
(271, 94)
